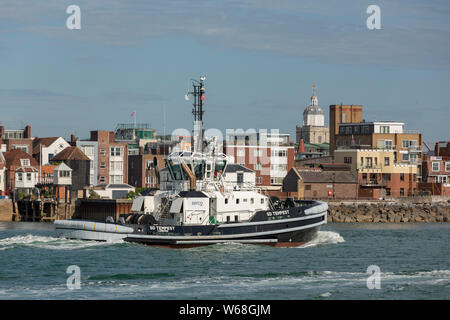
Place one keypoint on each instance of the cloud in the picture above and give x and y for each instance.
(413, 33)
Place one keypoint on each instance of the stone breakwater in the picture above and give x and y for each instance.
(389, 212)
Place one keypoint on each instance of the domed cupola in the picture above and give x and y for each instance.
(313, 114)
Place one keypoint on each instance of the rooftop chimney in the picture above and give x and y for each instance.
(301, 146)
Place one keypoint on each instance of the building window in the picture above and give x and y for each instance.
(102, 179)
(115, 179)
(117, 165)
(262, 200)
(388, 144)
(64, 174)
(241, 153)
(386, 161)
(257, 166)
(402, 192)
(384, 129)
(236, 218)
(347, 159)
(307, 187)
(388, 191)
(447, 166)
(435, 166)
(103, 152)
(402, 177)
(116, 151)
(25, 162)
(278, 153)
(258, 180)
(405, 156)
(19, 176)
(237, 201)
(102, 165)
(226, 200)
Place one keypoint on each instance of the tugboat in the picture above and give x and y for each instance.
(200, 202)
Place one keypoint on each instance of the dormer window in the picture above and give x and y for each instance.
(25, 162)
(64, 174)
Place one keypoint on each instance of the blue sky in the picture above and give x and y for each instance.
(260, 59)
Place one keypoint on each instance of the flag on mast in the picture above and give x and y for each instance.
(133, 114)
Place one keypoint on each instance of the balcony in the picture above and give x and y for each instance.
(414, 149)
(369, 167)
(373, 183)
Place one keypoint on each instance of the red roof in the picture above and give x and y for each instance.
(70, 153)
(12, 158)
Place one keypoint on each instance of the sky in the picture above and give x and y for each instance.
(260, 59)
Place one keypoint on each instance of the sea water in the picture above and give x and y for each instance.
(413, 260)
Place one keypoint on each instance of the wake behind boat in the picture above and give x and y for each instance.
(204, 199)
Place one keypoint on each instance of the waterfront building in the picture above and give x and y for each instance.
(144, 168)
(436, 170)
(348, 130)
(16, 139)
(379, 174)
(79, 165)
(45, 148)
(21, 171)
(90, 149)
(111, 157)
(312, 129)
(320, 183)
(269, 155)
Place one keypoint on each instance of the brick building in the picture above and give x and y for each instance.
(16, 139)
(112, 158)
(436, 170)
(348, 130)
(142, 171)
(22, 170)
(271, 156)
(379, 175)
(316, 183)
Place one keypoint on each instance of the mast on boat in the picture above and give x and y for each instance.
(197, 110)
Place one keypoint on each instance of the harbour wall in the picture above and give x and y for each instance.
(391, 212)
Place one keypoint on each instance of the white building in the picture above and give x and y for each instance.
(90, 149)
(48, 147)
(63, 175)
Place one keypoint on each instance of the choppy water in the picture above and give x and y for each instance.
(414, 260)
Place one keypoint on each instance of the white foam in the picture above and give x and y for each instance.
(49, 242)
(324, 237)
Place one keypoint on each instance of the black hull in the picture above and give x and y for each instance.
(290, 227)
(285, 232)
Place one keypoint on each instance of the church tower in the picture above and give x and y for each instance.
(313, 114)
(312, 129)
